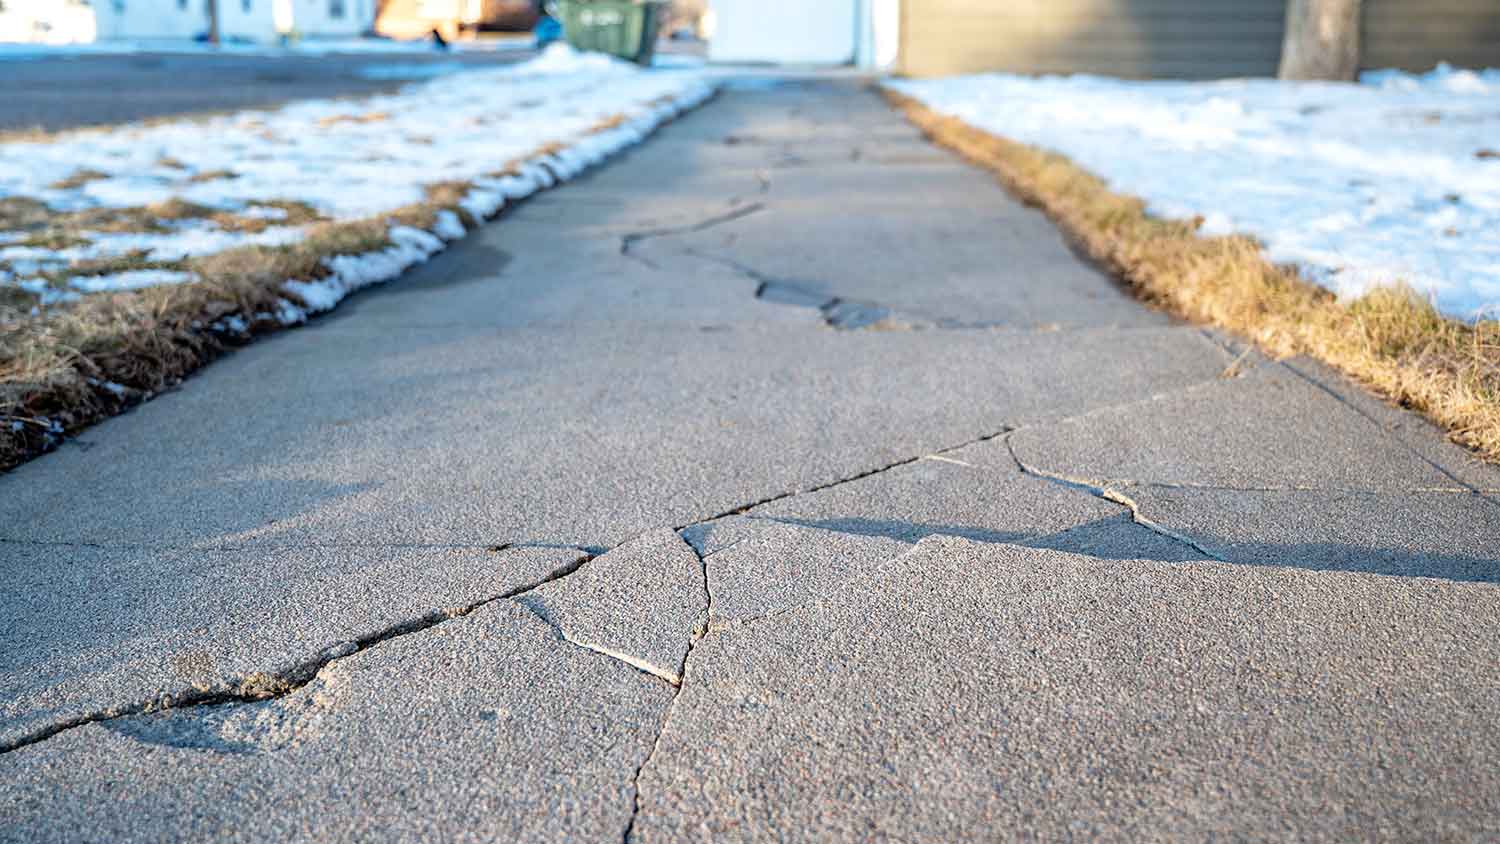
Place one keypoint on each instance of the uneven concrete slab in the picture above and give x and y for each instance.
(979, 493)
(86, 632)
(1415, 432)
(542, 383)
(484, 728)
(757, 567)
(356, 434)
(639, 603)
(975, 688)
(1267, 428)
(1448, 535)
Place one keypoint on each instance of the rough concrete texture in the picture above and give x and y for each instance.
(757, 567)
(1265, 428)
(978, 492)
(94, 631)
(678, 348)
(1453, 535)
(484, 728)
(975, 691)
(640, 603)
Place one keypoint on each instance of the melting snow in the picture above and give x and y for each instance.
(1396, 179)
(348, 160)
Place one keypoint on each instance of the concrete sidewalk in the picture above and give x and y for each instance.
(783, 479)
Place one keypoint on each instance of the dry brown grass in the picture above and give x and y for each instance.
(54, 365)
(1391, 340)
(78, 179)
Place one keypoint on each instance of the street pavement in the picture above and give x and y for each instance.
(783, 479)
(68, 91)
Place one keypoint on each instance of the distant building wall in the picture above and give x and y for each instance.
(150, 19)
(1417, 34)
(247, 20)
(332, 18)
(790, 31)
(1196, 39)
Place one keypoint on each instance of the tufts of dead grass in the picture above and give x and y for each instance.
(78, 179)
(66, 367)
(1391, 339)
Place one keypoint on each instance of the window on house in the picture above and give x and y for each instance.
(335, 8)
(119, 7)
(182, 5)
(245, 6)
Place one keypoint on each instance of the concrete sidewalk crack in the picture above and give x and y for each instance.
(1375, 423)
(271, 685)
(593, 550)
(630, 239)
(742, 509)
(699, 633)
(1111, 495)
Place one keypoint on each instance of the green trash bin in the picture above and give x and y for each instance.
(617, 27)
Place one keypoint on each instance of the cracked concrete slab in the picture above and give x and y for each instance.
(974, 687)
(90, 631)
(583, 437)
(533, 384)
(1448, 535)
(486, 728)
(1415, 432)
(757, 567)
(1267, 428)
(979, 493)
(638, 603)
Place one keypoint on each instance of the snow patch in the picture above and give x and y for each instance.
(1361, 185)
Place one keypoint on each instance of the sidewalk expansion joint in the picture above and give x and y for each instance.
(269, 686)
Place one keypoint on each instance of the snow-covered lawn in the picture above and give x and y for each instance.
(1395, 179)
(97, 211)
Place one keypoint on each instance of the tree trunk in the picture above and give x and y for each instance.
(213, 21)
(1322, 40)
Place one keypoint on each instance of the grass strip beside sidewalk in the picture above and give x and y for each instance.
(1390, 340)
(68, 366)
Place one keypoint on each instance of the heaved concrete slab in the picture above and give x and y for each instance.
(1415, 432)
(978, 493)
(639, 603)
(974, 688)
(91, 631)
(586, 436)
(1448, 535)
(1267, 428)
(757, 567)
(485, 728)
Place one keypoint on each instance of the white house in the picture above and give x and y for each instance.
(239, 20)
(46, 21)
(826, 32)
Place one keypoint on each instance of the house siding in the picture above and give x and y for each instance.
(1195, 39)
(1417, 34)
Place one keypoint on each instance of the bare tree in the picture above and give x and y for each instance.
(1322, 40)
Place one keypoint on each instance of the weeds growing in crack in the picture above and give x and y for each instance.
(259, 686)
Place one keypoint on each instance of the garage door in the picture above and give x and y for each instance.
(1194, 39)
